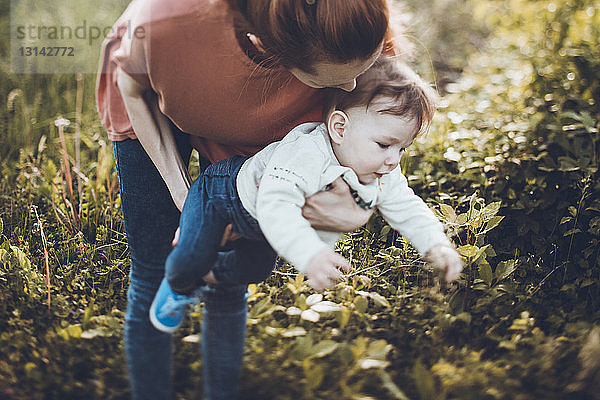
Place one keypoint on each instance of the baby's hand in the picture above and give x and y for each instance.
(446, 260)
(322, 271)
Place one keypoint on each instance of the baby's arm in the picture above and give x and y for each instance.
(446, 261)
(323, 269)
(294, 171)
(408, 214)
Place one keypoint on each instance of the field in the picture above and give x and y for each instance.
(510, 165)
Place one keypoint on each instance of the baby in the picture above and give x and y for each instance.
(362, 140)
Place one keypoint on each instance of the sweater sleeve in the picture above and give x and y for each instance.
(408, 214)
(292, 174)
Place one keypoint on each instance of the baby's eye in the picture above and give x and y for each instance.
(383, 145)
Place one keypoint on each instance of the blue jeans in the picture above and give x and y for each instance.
(151, 219)
(211, 204)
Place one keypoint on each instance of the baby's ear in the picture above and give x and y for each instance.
(337, 123)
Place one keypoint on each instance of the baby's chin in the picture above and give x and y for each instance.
(366, 180)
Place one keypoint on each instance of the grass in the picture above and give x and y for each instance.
(509, 330)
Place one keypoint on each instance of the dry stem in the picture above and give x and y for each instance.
(45, 245)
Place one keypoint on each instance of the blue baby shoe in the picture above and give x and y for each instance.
(168, 308)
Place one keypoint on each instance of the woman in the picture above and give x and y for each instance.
(224, 77)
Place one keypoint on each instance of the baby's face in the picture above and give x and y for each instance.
(372, 143)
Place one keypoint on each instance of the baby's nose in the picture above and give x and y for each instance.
(393, 159)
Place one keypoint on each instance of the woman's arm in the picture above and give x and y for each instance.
(153, 130)
(335, 209)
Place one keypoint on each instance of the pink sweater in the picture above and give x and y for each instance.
(197, 63)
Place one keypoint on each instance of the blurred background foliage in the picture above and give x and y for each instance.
(510, 164)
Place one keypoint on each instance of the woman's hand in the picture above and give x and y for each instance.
(335, 209)
(228, 236)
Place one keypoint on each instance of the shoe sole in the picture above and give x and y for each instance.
(157, 324)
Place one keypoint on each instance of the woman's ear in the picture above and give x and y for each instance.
(337, 123)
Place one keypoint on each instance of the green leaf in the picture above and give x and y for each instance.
(493, 222)
(323, 348)
(361, 304)
(261, 308)
(342, 316)
(294, 332)
(448, 212)
(424, 381)
(384, 232)
(292, 288)
(594, 227)
(589, 122)
(504, 269)
(391, 387)
(101, 331)
(490, 210)
(465, 317)
(368, 363)
(485, 272)
(345, 354)
(468, 250)
(302, 348)
(313, 373)
(567, 164)
(480, 253)
(507, 344)
(489, 251)
(587, 282)
(572, 115)
(573, 211)
(73, 331)
(565, 220)
(325, 306)
(314, 299)
(21, 258)
(310, 315)
(299, 280)
(456, 302)
(379, 299)
(461, 219)
(378, 349)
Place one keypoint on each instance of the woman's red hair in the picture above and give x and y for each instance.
(298, 33)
